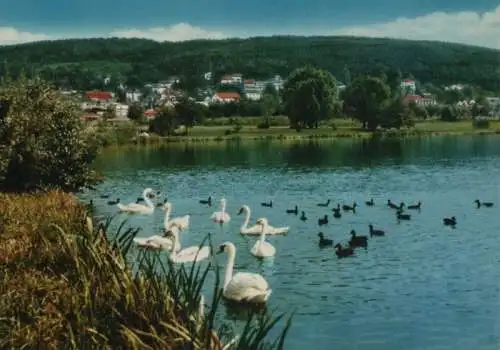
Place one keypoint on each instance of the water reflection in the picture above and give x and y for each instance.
(370, 152)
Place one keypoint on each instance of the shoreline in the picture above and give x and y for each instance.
(216, 135)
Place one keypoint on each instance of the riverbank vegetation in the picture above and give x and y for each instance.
(65, 282)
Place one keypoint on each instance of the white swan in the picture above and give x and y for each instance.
(256, 229)
(156, 242)
(221, 216)
(189, 254)
(243, 286)
(148, 208)
(262, 248)
(182, 221)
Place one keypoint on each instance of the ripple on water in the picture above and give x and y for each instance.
(422, 286)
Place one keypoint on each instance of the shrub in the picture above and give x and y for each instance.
(480, 123)
(65, 283)
(264, 123)
(43, 143)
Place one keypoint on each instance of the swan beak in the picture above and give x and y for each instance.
(221, 250)
(241, 211)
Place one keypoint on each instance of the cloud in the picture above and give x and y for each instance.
(467, 27)
(176, 32)
(10, 35)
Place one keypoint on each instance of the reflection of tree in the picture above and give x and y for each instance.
(312, 153)
(315, 153)
(375, 150)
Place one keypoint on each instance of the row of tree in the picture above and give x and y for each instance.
(87, 63)
(309, 97)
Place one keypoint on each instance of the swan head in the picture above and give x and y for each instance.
(243, 209)
(353, 233)
(148, 192)
(226, 247)
(262, 222)
(321, 235)
(167, 205)
(223, 201)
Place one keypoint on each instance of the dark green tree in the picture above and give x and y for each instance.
(449, 114)
(135, 112)
(43, 142)
(188, 113)
(270, 90)
(365, 100)
(109, 113)
(397, 114)
(309, 96)
(165, 122)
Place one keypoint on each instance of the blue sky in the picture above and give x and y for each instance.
(474, 22)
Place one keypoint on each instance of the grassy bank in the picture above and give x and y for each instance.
(65, 284)
(341, 128)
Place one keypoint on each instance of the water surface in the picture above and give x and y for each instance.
(423, 286)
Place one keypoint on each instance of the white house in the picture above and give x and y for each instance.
(235, 78)
(121, 110)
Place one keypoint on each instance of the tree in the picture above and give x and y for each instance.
(135, 112)
(110, 113)
(449, 114)
(365, 99)
(165, 122)
(309, 96)
(397, 114)
(43, 142)
(270, 90)
(188, 113)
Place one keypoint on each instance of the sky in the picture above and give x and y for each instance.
(461, 21)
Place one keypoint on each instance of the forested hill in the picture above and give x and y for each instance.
(84, 61)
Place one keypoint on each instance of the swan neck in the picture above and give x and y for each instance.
(176, 242)
(263, 234)
(247, 218)
(147, 200)
(166, 217)
(228, 275)
(223, 207)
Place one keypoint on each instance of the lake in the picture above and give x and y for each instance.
(422, 286)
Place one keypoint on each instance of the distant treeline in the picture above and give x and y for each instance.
(84, 63)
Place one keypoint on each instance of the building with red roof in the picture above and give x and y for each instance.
(226, 96)
(99, 96)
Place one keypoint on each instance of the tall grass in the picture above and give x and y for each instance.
(66, 283)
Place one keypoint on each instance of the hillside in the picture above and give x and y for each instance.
(82, 62)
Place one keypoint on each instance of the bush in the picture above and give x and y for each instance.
(479, 123)
(64, 284)
(43, 143)
(264, 124)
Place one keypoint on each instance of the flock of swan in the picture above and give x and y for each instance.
(248, 287)
(240, 287)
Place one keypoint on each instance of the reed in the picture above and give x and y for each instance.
(65, 282)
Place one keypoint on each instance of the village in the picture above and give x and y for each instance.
(231, 88)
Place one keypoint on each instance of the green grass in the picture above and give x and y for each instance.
(67, 283)
(339, 128)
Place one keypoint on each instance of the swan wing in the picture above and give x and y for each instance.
(133, 207)
(226, 217)
(264, 249)
(247, 286)
(191, 254)
(154, 242)
(277, 230)
(182, 222)
(253, 230)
